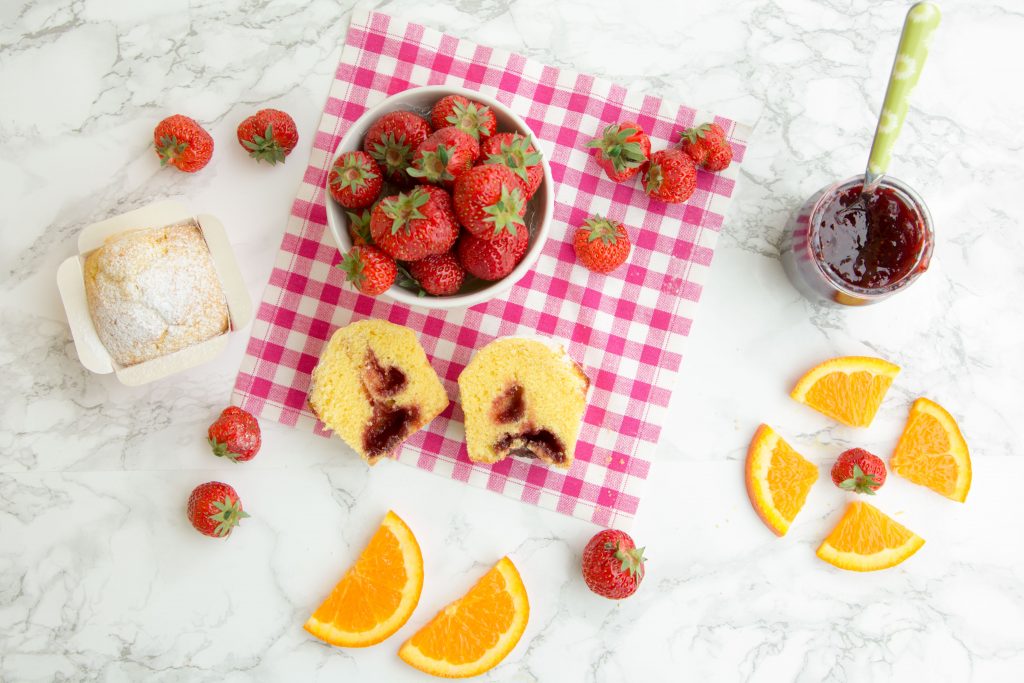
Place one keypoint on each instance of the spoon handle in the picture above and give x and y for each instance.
(922, 20)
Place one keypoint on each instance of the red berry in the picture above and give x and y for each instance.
(859, 471)
(622, 150)
(235, 435)
(440, 274)
(613, 566)
(602, 245)
(707, 146)
(369, 269)
(391, 141)
(494, 258)
(415, 224)
(489, 200)
(214, 509)
(518, 153)
(670, 176)
(268, 135)
(355, 180)
(182, 143)
(444, 156)
(465, 114)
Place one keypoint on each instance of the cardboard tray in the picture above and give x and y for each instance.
(71, 283)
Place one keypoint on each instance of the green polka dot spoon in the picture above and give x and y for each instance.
(921, 22)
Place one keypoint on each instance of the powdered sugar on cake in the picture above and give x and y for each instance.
(152, 292)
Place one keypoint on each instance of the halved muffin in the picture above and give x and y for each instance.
(374, 387)
(523, 397)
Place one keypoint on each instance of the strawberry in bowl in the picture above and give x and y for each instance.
(443, 256)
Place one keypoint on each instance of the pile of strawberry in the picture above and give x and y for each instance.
(623, 150)
(432, 202)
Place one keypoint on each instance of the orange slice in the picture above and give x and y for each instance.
(848, 389)
(473, 634)
(377, 594)
(866, 539)
(932, 451)
(778, 479)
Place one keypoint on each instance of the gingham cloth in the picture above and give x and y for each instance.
(626, 328)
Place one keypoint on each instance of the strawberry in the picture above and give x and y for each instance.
(518, 153)
(359, 227)
(613, 566)
(670, 176)
(489, 199)
(414, 225)
(465, 114)
(602, 244)
(369, 269)
(707, 146)
(214, 509)
(182, 143)
(859, 471)
(444, 156)
(440, 274)
(493, 258)
(234, 435)
(392, 139)
(268, 135)
(622, 150)
(355, 180)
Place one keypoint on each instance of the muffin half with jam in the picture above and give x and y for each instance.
(523, 397)
(374, 387)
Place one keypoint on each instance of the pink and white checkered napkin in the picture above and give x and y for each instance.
(626, 328)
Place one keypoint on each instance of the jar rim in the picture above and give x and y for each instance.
(912, 199)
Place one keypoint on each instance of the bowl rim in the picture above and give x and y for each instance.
(396, 293)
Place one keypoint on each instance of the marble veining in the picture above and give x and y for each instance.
(101, 577)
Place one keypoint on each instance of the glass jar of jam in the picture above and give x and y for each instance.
(851, 249)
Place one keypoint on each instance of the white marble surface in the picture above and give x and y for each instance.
(101, 577)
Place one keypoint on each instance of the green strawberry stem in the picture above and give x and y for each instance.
(393, 153)
(229, 514)
(860, 482)
(433, 166)
(360, 224)
(654, 177)
(693, 134)
(170, 148)
(922, 20)
(632, 559)
(405, 208)
(517, 155)
(469, 118)
(265, 147)
(353, 173)
(353, 266)
(507, 212)
(614, 145)
(602, 228)
(220, 449)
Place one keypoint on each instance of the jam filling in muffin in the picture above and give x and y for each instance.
(374, 387)
(523, 397)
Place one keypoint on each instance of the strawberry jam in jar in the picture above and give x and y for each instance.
(852, 249)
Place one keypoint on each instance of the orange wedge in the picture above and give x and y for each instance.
(778, 479)
(866, 540)
(932, 451)
(473, 634)
(848, 389)
(378, 594)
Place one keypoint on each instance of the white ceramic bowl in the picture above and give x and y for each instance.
(538, 211)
